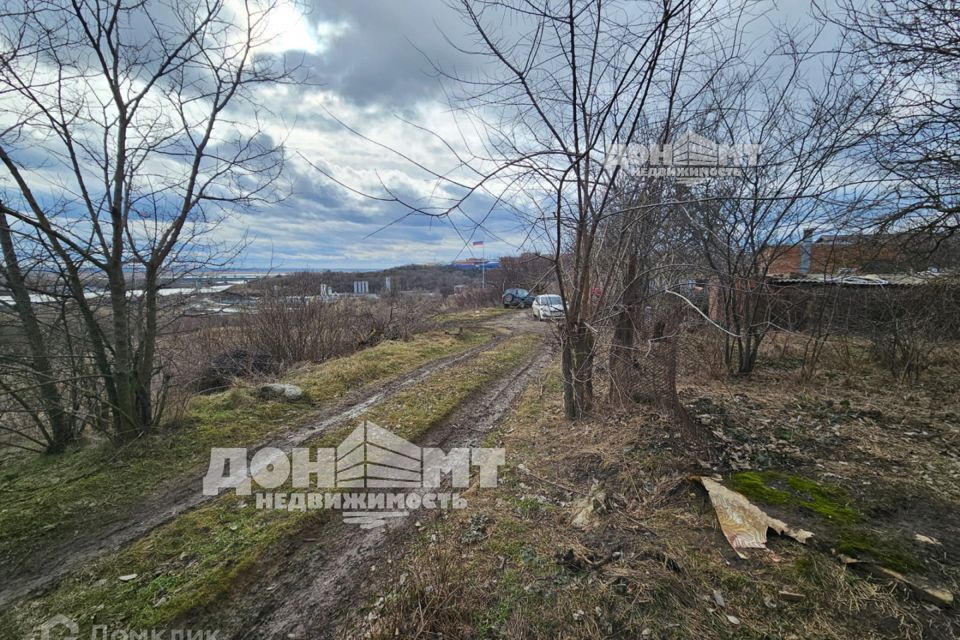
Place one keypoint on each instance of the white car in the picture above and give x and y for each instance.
(547, 307)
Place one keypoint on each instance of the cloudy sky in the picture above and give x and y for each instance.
(373, 88)
(372, 77)
(367, 74)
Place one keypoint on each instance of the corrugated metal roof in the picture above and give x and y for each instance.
(858, 280)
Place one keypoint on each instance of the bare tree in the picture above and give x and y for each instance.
(581, 78)
(129, 129)
(803, 177)
(911, 50)
(561, 83)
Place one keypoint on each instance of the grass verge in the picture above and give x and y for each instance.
(193, 560)
(48, 497)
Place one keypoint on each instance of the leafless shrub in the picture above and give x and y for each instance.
(473, 298)
(407, 316)
(281, 331)
(702, 354)
(907, 324)
(294, 329)
(820, 309)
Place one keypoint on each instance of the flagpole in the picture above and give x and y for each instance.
(483, 267)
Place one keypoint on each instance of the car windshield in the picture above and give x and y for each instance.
(518, 292)
(552, 300)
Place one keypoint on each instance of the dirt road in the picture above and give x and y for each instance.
(309, 589)
(40, 571)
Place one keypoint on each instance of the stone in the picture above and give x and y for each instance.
(280, 391)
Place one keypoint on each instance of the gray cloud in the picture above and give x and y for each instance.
(375, 60)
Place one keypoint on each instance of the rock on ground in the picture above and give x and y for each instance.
(278, 391)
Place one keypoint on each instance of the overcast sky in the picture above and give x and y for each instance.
(369, 62)
(373, 77)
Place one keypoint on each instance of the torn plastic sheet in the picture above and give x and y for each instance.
(743, 523)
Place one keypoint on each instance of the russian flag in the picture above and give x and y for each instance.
(478, 243)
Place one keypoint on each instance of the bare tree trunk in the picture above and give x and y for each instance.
(586, 346)
(567, 369)
(577, 365)
(625, 330)
(52, 402)
(126, 215)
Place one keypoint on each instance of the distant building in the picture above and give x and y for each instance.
(833, 254)
(475, 263)
(849, 261)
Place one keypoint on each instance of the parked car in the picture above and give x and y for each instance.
(516, 298)
(547, 307)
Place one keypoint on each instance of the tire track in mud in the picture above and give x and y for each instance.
(45, 568)
(313, 587)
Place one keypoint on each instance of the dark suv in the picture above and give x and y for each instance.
(516, 298)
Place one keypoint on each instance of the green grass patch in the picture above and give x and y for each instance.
(409, 412)
(45, 497)
(827, 501)
(889, 552)
(195, 559)
(534, 402)
(833, 505)
(188, 563)
(753, 484)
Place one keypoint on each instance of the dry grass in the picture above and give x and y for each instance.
(44, 499)
(653, 560)
(198, 557)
